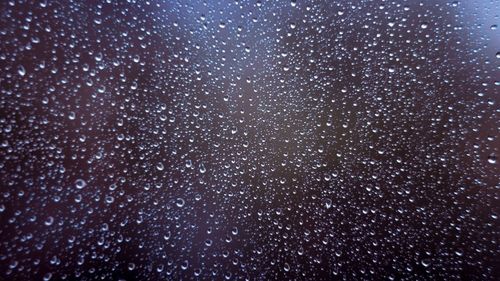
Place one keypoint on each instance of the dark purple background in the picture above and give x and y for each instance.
(340, 140)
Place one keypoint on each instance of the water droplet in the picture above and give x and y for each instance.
(327, 202)
(185, 265)
(286, 267)
(180, 202)
(167, 235)
(49, 221)
(79, 183)
(197, 272)
(492, 159)
(160, 166)
(21, 70)
(202, 168)
(109, 199)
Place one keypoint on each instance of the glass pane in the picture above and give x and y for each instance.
(249, 140)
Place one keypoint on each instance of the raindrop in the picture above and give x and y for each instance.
(179, 202)
(49, 221)
(202, 168)
(47, 276)
(159, 166)
(425, 262)
(21, 70)
(327, 202)
(79, 183)
(492, 159)
(185, 265)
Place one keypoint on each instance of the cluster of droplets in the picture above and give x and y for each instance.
(253, 140)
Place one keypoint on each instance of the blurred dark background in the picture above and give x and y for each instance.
(258, 140)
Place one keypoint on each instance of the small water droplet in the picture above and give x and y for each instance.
(47, 276)
(109, 199)
(79, 183)
(167, 235)
(180, 202)
(21, 70)
(327, 202)
(202, 168)
(425, 263)
(492, 159)
(185, 265)
(49, 221)
(286, 267)
(160, 166)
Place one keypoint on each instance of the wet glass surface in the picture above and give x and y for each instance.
(249, 140)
